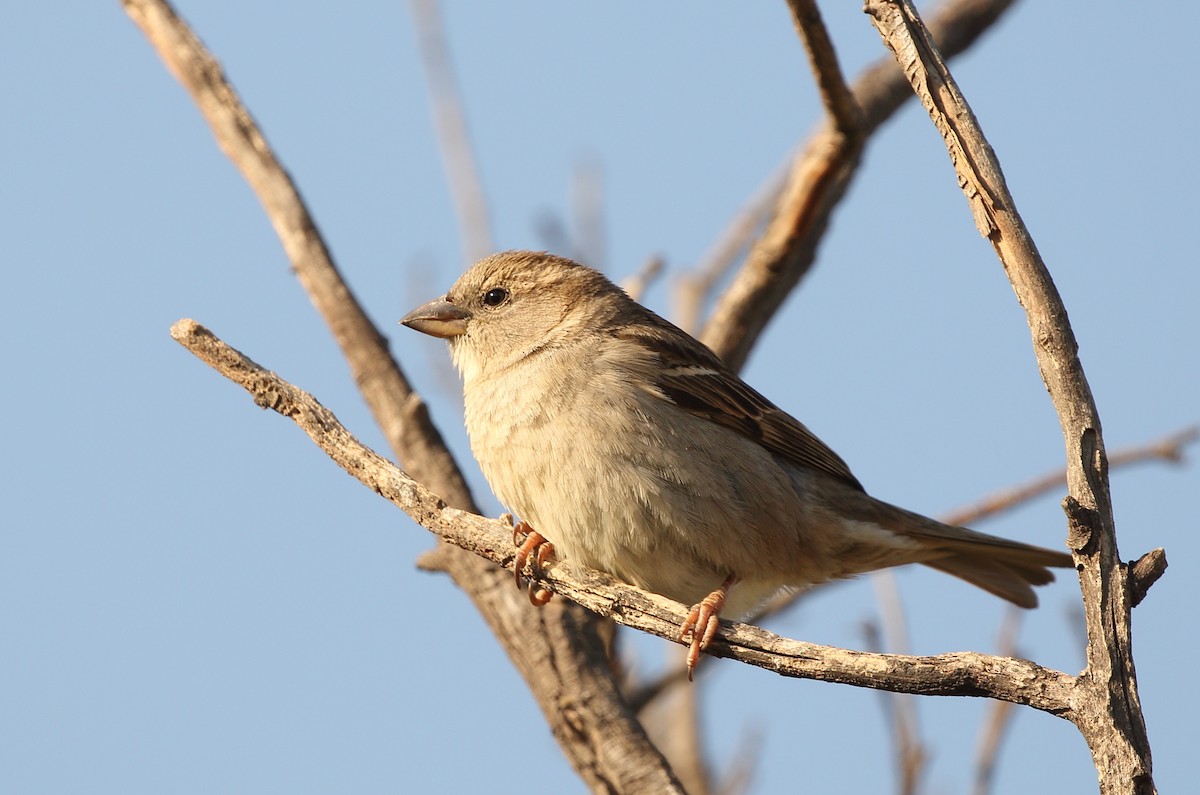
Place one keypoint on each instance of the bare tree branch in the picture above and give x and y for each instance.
(636, 284)
(820, 176)
(673, 722)
(607, 746)
(737, 778)
(844, 136)
(557, 651)
(954, 674)
(588, 238)
(450, 123)
(401, 415)
(882, 89)
(694, 289)
(1000, 713)
(835, 94)
(1144, 573)
(1169, 448)
(899, 707)
(581, 702)
(804, 209)
(1108, 707)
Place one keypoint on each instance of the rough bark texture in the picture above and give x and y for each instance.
(1105, 704)
(954, 674)
(556, 651)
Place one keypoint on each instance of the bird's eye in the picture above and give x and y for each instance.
(495, 296)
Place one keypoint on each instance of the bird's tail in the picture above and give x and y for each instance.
(1008, 569)
(1007, 578)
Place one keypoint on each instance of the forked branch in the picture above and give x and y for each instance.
(821, 174)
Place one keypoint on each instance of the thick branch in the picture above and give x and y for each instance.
(1108, 708)
(955, 674)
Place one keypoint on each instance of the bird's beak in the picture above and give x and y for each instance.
(438, 318)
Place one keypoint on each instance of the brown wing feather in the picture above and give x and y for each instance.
(694, 378)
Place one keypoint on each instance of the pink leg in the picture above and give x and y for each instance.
(530, 542)
(702, 622)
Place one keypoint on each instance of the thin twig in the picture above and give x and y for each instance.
(454, 139)
(641, 695)
(1170, 448)
(776, 262)
(636, 284)
(900, 707)
(695, 288)
(953, 674)
(836, 96)
(673, 723)
(645, 692)
(736, 780)
(1000, 713)
(587, 213)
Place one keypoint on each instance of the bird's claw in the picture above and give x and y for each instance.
(701, 624)
(532, 547)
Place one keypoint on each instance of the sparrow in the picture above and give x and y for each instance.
(629, 447)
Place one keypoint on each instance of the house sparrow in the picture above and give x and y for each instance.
(630, 447)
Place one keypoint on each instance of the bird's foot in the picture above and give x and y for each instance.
(533, 548)
(701, 623)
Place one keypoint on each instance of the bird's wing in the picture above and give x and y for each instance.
(693, 378)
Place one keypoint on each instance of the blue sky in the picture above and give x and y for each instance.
(194, 599)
